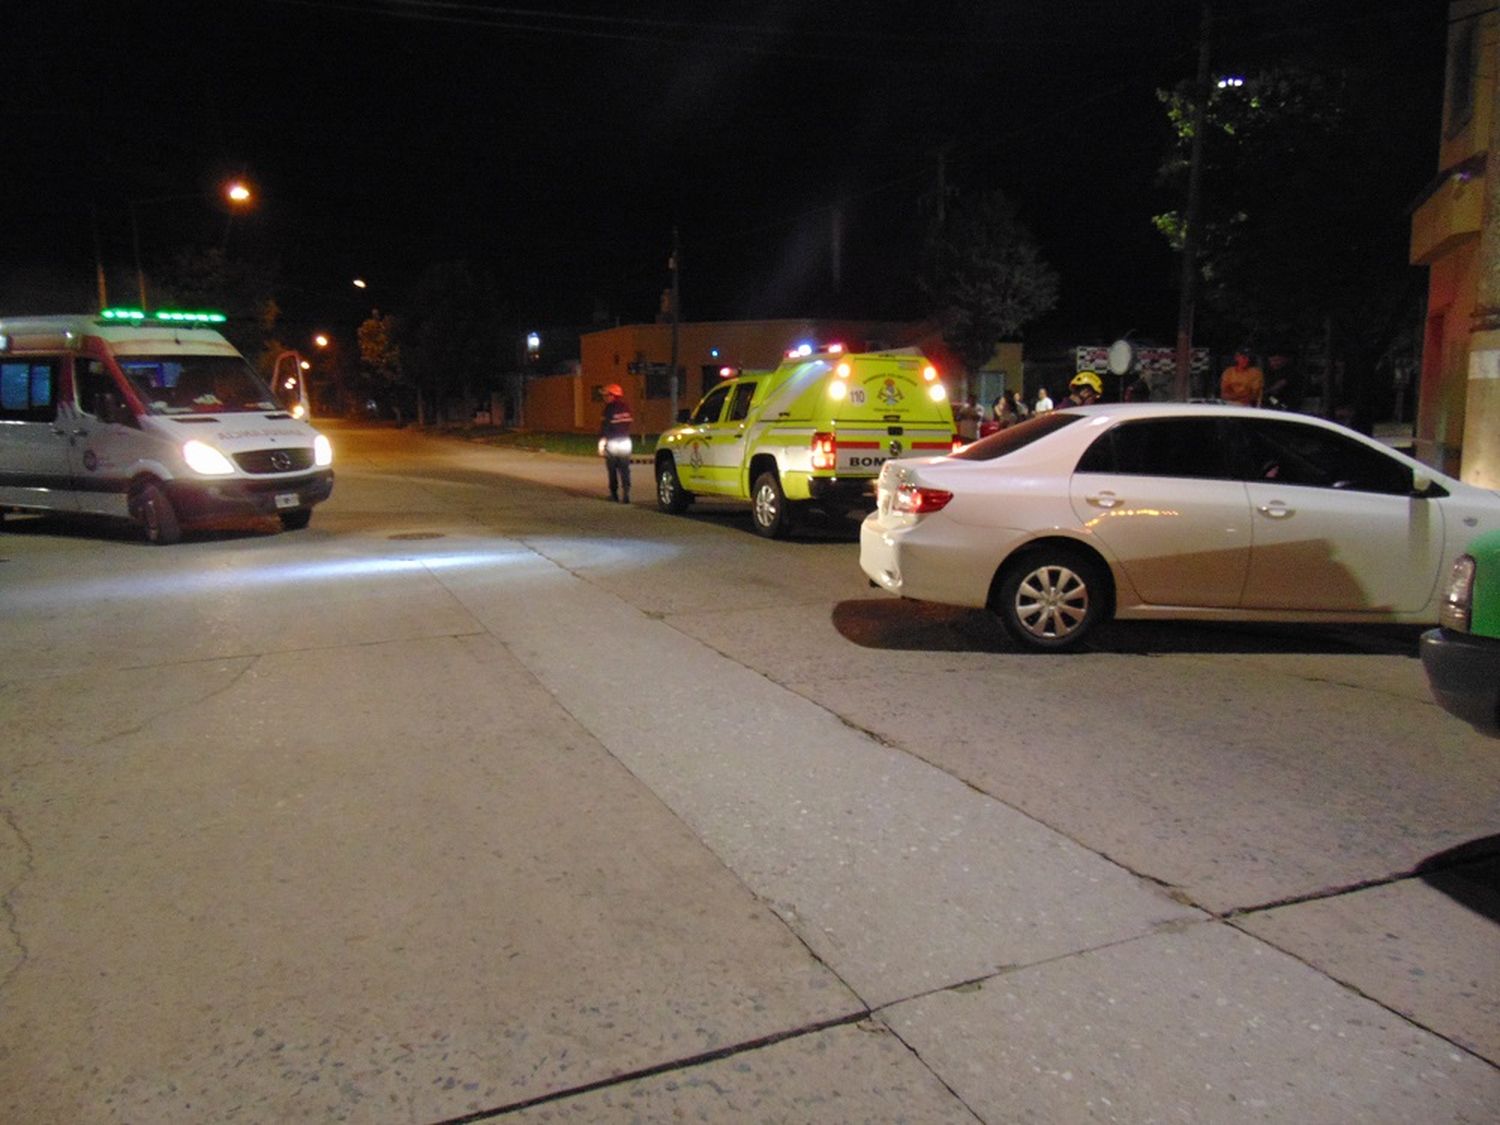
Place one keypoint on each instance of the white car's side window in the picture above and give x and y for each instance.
(1289, 452)
(1161, 447)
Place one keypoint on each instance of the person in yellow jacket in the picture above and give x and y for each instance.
(1243, 383)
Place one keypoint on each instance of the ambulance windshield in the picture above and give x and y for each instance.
(197, 384)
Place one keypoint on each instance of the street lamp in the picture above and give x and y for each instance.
(294, 380)
(235, 192)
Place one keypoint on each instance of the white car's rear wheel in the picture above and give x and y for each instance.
(1051, 599)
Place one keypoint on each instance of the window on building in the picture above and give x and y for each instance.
(1462, 47)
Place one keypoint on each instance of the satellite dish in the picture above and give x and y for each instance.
(1121, 356)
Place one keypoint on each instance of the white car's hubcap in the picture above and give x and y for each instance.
(1052, 601)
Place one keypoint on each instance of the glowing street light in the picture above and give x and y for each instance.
(321, 340)
(235, 192)
(359, 283)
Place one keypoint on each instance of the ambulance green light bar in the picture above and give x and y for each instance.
(168, 316)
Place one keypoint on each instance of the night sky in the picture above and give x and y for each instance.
(556, 145)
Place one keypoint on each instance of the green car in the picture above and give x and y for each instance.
(1462, 656)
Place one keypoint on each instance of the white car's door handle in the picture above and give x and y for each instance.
(1103, 499)
(1275, 510)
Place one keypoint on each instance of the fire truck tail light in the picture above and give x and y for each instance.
(825, 451)
(918, 501)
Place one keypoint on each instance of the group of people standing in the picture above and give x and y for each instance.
(1010, 408)
(1242, 383)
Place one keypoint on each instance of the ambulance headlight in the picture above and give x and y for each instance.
(322, 451)
(937, 392)
(204, 458)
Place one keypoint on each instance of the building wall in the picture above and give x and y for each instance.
(572, 403)
(1458, 416)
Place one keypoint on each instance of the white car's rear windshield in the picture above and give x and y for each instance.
(1015, 437)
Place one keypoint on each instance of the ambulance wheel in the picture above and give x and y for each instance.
(670, 495)
(1051, 598)
(157, 516)
(297, 520)
(770, 507)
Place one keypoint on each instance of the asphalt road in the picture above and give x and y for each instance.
(486, 798)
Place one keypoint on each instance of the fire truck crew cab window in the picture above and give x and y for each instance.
(708, 410)
(741, 404)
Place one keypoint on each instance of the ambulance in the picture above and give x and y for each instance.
(151, 417)
(812, 433)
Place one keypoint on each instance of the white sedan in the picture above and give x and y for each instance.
(1171, 511)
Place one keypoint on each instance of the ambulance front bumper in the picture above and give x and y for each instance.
(210, 499)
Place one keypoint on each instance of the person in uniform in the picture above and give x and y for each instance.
(615, 443)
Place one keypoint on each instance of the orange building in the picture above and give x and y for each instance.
(639, 358)
(1454, 233)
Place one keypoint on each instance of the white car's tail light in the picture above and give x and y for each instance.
(918, 501)
(1458, 595)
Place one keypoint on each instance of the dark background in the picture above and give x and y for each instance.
(556, 146)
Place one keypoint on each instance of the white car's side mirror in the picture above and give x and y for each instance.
(1421, 483)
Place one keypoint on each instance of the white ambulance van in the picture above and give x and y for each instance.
(152, 417)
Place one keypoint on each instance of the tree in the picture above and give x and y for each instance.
(1302, 237)
(454, 338)
(380, 354)
(242, 290)
(985, 275)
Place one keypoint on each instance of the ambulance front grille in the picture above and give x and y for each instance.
(274, 460)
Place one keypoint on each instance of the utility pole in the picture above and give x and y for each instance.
(942, 186)
(1187, 293)
(98, 260)
(836, 246)
(672, 264)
